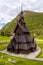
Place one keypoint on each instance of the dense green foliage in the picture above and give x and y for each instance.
(34, 22)
(2, 33)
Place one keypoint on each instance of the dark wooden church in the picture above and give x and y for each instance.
(22, 41)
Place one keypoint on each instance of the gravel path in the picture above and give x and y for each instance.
(31, 55)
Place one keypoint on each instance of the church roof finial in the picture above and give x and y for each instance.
(21, 14)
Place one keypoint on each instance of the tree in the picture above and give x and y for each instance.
(2, 33)
(7, 33)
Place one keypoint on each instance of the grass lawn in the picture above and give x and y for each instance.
(20, 61)
(40, 44)
(4, 39)
(3, 46)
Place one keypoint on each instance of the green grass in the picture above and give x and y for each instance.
(4, 39)
(34, 21)
(3, 46)
(20, 61)
(40, 44)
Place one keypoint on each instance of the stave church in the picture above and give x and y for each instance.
(22, 41)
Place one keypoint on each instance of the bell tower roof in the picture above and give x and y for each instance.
(21, 19)
(21, 13)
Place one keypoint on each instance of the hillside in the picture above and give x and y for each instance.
(34, 22)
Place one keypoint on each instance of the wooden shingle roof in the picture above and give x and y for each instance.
(23, 28)
(23, 39)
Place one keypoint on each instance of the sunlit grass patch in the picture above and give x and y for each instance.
(4, 39)
(40, 44)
